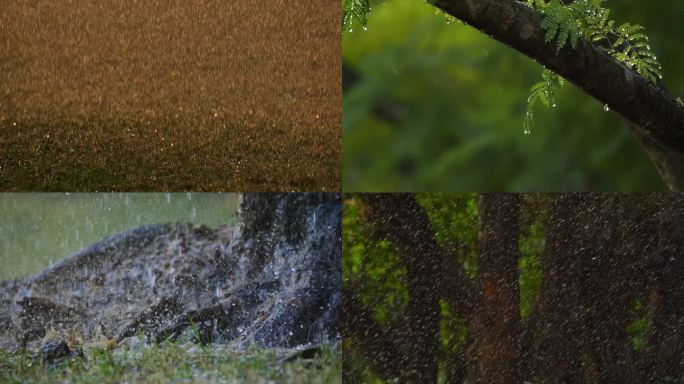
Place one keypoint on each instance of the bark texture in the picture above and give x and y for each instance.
(494, 357)
(400, 219)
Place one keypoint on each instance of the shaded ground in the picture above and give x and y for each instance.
(161, 95)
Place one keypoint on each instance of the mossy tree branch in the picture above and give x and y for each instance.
(654, 115)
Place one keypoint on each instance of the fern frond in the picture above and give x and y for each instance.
(626, 43)
(560, 24)
(544, 92)
(355, 12)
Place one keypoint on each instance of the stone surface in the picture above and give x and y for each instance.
(273, 280)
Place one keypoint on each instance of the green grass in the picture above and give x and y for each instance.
(172, 363)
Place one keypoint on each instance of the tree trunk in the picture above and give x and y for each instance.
(666, 296)
(494, 357)
(400, 219)
(295, 238)
(583, 308)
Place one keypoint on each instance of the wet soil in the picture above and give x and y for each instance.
(170, 95)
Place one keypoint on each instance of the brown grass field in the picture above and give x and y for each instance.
(204, 95)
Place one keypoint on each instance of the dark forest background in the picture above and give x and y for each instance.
(501, 288)
(436, 106)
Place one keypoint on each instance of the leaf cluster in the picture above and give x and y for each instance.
(627, 43)
(355, 12)
(568, 21)
(544, 92)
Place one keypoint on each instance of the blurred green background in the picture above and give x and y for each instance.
(37, 229)
(460, 99)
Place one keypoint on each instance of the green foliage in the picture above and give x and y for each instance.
(355, 12)
(453, 333)
(454, 220)
(544, 92)
(566, 23)
(372, 267)
(531, 244)
(638, 328)
(459, 94)
(559, 23)
(626, 43)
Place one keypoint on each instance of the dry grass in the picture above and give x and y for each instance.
(156, 95)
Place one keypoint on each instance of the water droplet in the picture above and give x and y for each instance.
(554, 105)
(606, 108)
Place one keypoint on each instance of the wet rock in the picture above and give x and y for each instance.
(131, 344)
(41, 313)
(150, 319)
(273, 280)
(55, 351)
(306, 353)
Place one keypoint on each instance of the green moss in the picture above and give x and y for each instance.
(531, 245)
(638, 328)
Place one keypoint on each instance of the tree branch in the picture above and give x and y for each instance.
(656, 117)
(400, 219)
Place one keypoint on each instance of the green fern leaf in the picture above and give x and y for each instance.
(355, 12)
